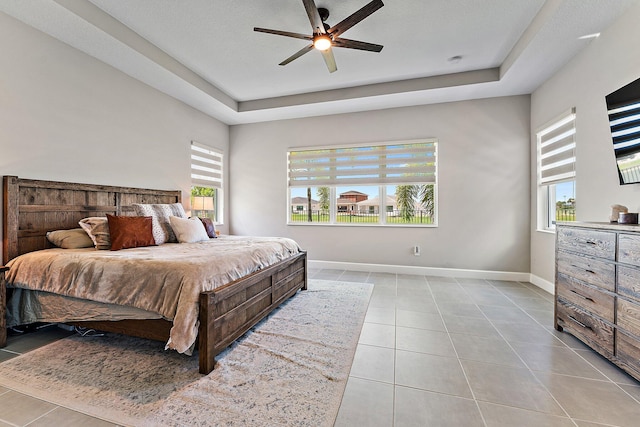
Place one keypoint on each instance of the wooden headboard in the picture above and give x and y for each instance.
(31, 208)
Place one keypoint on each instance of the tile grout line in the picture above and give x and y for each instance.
(466, 377)
(518, 355)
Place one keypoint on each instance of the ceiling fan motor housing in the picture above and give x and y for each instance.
(324, 13)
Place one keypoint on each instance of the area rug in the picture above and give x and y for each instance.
(290, 370)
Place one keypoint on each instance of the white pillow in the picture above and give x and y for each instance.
(188, 230)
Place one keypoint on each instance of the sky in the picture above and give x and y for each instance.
(565, 191)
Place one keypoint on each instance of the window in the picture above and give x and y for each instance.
(383, 184)
(206, 182)
(556, 172)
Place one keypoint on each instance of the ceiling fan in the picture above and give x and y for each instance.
(325, 37)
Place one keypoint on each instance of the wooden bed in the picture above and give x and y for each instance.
(31, 208)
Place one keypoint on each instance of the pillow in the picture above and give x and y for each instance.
(130, 231)
(188, 230)
(209, 226)
(75, 238)
(162, 231)
(98, 230)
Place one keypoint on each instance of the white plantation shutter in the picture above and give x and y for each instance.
(396, 163)
(556, 150)
(206, 166)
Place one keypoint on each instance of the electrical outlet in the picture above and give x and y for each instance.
(416, 250)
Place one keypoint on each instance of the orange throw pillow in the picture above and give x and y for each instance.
(130, 231)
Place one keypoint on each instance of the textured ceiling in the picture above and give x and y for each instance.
(206, 53)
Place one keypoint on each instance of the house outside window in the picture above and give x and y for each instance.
(556, 171)
(352, 185)
(206, 182)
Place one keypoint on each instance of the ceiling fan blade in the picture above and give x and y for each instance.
(297, 55)
(283, 33)
(329, 59)
(314, 17)
(355, 17)
(355, 44)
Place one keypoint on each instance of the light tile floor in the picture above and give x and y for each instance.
(466, 352)
(439, 352)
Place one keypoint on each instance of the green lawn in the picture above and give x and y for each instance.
(358, 219)
(565, 215)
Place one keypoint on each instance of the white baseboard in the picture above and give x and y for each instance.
(427, 271)
(543, 284)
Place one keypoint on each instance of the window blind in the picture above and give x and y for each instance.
(398, 163)
(556, 150)
(206, 166)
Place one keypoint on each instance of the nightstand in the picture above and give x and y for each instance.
(3, 305)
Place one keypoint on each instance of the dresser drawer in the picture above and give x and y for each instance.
(589, 329)
(629, 282)
(589, 270)
(629, 249)
(600, 244)
(628, 352)
(628, 316)
(586, 297)
(586, 327)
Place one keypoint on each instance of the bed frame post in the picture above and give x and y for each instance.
(10, 218)
(206, 334)
(304, 287)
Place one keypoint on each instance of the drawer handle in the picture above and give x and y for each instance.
(582, 296)
(586, 269)
(580, 323)
(587, 241)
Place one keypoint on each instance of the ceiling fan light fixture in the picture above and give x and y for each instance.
(322, 42)
(325, 37)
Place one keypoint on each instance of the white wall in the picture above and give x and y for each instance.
(609, 62)
(65, 116)
(484, 197)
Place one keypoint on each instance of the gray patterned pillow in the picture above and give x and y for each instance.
(160, 213)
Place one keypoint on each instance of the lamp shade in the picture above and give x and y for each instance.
(202, 203)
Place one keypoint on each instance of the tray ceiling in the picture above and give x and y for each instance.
(206, 54)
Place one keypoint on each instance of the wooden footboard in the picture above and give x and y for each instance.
(31, 208)
(227, 312)
(231, 310)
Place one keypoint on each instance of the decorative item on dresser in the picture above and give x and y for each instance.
(616, 210)
(598, 289)
(3, 298)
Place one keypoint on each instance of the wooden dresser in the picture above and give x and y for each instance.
(598, 289)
